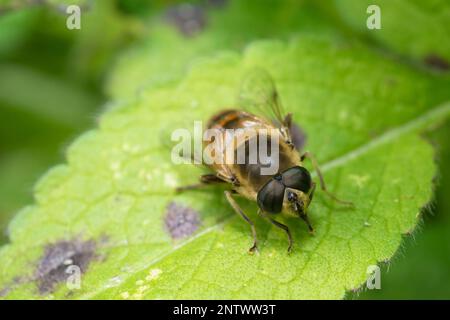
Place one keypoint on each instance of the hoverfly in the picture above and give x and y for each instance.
(290, 189)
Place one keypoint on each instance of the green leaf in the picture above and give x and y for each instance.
(18, 171)
(106, 207)
(429, 249)
(33, 126)
(91, 55)
(15, 5)
(418, 29)
(166, 53)
(15, 27)
(47, 98)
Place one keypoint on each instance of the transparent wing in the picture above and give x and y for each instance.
(258, 95)
(178, 139)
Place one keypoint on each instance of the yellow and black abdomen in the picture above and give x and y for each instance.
(233, 119)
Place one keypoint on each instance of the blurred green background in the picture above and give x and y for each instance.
(55, 81)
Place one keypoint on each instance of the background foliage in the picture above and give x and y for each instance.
(43, 66)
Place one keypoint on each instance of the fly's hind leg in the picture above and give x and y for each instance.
(310, 156)
(281, 226)
(233, 203)
(205, 180)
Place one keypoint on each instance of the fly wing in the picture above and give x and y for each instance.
(178, 139)
(259, 96)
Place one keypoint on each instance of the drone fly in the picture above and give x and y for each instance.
(290, 188)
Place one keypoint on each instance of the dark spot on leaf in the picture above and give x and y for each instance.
(436, 62)
(52, 267)
(298, 136)
(5, 291)
(188, 18)
(181, 221)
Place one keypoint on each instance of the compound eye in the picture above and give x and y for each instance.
(297, 178)
(270, 196)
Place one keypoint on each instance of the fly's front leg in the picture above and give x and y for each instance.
(281, 226)
(302, 212)
(310, 156)
(233, 203)
(205, 180)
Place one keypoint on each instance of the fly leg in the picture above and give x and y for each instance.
(205, 180)
(233, 203)
(281, 226)
(305, 218)
(311, 191)
(310, 156)
(302, 211)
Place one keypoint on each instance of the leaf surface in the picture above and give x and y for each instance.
(362, 114)
(413, 28)
(167, 53)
